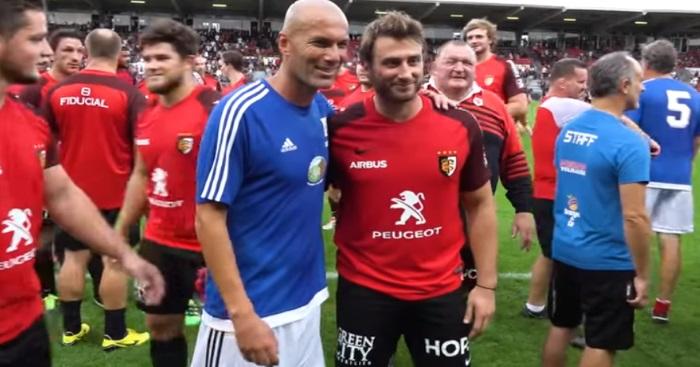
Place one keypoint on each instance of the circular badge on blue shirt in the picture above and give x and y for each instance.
(317, 170)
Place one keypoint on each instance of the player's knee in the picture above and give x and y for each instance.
(164, 327)
(76, 259)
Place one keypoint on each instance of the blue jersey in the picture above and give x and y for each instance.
(669, 111)
(594, 154)
(265, 159)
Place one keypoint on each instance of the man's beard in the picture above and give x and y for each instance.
(168, 86)
(385, 91)
(14, 74)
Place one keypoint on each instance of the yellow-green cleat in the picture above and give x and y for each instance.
(69, 338)
(132, 338)
(50, 302)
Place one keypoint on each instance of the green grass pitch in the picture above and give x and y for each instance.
(511, 340)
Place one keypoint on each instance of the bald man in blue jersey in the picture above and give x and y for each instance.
(265, 151)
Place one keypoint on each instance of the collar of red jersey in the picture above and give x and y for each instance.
(475, 89)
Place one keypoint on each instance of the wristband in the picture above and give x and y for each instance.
(481, 286)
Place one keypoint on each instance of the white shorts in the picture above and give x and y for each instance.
(671, 211)
(299, 345)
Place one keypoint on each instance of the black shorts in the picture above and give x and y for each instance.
(543, 210)
(65, 241)
(179, 269)
(599, 299)
(370, 324)
(31, 348)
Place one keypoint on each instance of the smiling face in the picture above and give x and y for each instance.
(454, 69)
(165, 68)
(313, 51)
(396, 68)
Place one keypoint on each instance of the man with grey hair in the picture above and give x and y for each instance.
(600, 244)
(453, 74)
(98, 157)
(669, 111)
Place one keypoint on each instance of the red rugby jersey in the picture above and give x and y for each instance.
(168, 142)
(125, 75)
(344, 84)
(552, 114)
(35, 94)
(211, 82)
(16, 89)
(499, 76)
(399, 229)
(94, 114)
(358, 95)
(502, 143)
(26, 148)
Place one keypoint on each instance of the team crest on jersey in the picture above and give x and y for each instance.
(489, 80)
(447, 162)
(317, 170)
(571, 210)
(478, 101)
(185, 143)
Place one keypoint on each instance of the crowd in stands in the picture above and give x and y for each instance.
(533, 61)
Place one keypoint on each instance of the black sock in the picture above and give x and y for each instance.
(115, 323)
(71, 316)
(169, 353)
(95, 268)
(43, 266)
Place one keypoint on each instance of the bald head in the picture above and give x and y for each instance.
(307, 13)
(103, 43)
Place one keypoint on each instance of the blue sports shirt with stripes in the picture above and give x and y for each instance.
(265, 159)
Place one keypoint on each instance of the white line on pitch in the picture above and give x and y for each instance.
(517, 276)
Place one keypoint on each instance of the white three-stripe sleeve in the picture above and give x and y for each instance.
(221, 163)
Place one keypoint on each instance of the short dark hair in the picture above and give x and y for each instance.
(184, 39)
(565, 68)
(233, 58)
(394, 24)
(660, 56)
(606, 73)
(103, 43)
(60, 34)
(12, 17)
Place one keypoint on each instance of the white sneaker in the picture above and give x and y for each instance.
(330, 225)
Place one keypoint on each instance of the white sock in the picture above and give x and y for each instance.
(534, 308)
